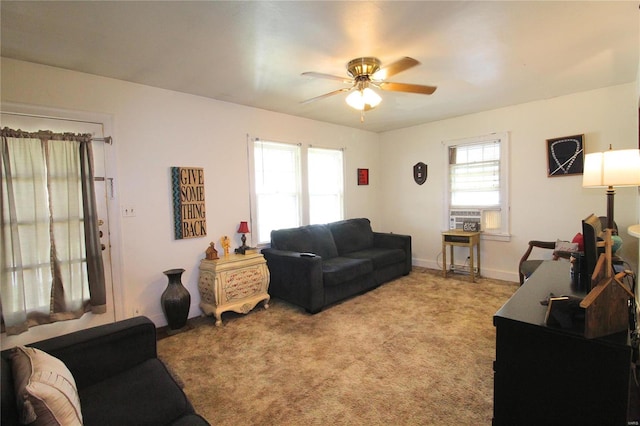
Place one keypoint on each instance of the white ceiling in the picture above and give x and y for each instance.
(481, 55)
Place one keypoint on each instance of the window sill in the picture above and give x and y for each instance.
(495, 237)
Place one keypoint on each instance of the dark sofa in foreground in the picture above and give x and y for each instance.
(314, 266)
(120, 380)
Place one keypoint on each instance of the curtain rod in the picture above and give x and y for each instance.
(48, 134)
(106, 139)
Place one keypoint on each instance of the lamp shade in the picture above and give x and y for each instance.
(243, 228)
(612, 168)
(360, 99)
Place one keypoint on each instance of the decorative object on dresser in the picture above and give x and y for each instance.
(315, 266)
(175, 300)
(243, 229)
(211, 253)
(226, 243)
(606, 305)
(234, 283)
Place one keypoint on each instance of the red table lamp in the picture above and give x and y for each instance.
(243, 229)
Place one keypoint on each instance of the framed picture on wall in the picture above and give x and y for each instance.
(363, 176)
(565, 156)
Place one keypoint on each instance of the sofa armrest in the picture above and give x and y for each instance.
(296, 278)
(395, 241)
(97, 353)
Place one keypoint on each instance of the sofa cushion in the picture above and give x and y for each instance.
(339, 270)
(143, 395)
(380, 257)
(46, 392)
(315, 239)
(352, 235)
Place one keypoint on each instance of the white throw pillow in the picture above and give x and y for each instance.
(46, 392)
(566, 246)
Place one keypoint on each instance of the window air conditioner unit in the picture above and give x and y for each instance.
(458, 216)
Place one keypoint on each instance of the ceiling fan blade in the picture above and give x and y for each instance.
(409, 88)
(326, 95)
(329, 76)
(395, 68)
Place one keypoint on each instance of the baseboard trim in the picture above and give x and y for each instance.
(484, 272)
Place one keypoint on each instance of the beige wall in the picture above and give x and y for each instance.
(155, 129)
(541, 208)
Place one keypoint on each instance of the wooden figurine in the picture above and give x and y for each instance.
(226, 243)
(606, 303)
(212, 253)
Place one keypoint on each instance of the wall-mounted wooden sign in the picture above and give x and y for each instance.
(420, 173)
(188, 202)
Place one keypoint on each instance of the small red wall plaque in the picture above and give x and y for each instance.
(363, 176)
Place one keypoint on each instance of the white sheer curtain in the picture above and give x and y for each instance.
(277, 187)
(43, 254)
(65, 195)
(326, 185)
(474, 172)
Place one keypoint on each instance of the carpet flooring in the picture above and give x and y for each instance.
(418, 350)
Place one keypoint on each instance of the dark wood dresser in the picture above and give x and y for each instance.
(546, 375)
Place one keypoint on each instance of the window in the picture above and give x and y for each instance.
(477, 183)
(325, 185)
(294, 185)
(277, 187)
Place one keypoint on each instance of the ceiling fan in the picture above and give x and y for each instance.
(368, 72)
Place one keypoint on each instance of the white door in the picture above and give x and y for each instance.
(104, 195)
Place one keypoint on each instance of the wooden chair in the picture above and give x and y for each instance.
(526, 266)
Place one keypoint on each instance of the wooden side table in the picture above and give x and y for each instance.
(236, 282)
(464, 239)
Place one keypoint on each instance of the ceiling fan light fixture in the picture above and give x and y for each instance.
(368, 71)
(361, 99)
(363, 67)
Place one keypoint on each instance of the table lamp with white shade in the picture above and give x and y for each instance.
(611, 169)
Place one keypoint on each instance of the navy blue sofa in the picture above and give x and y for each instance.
(119, 377)
(315, 266)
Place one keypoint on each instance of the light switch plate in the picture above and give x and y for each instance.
(128, 211)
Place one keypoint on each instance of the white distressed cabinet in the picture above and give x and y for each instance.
(237, 282)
